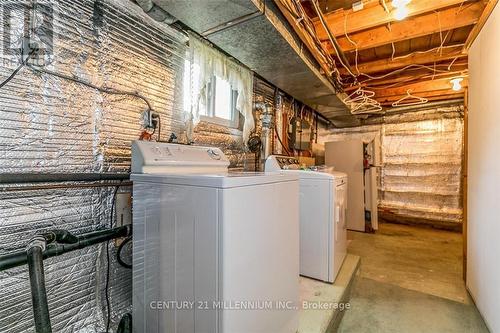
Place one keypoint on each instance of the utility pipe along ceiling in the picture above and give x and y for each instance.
(256, 33)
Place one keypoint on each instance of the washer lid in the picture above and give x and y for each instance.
(227, 180)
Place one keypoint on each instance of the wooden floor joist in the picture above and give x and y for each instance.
(428, 24)
(482, 21)
(448, 53)
(425, 87)
(376, 16)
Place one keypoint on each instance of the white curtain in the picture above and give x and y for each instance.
(210, 62)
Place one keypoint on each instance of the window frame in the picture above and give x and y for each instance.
(210, 117)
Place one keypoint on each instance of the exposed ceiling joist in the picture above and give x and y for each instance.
(412, 76)
(447, 19)
(481, 22)
(440, 95)
(423, 87)
(448, 53)
(376, 16)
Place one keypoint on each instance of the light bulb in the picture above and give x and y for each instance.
(401, 13)
(457, 86)
(400, 3)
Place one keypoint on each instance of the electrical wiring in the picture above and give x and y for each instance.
(119, 253)
(428, 51)
(353, 43)
(109, 91)
(415, 79)
(108, 266)
(11, 76)
(399, 71)
(21, 66)
(332, 38)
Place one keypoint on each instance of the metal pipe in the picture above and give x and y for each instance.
(19, 258)
(19, 178)
(61, 186)
(266, 119)
(232, 23)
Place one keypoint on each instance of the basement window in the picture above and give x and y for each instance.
(218, 103)
(221, 103)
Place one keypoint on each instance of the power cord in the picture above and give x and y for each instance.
(108, 268)
(109, 91)
(14, 73)
(119, 253)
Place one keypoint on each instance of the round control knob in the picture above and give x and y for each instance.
(213, 154)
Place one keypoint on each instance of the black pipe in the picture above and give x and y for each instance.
(19, 178)
(57, 186)
(38, 292)
(125, 325)
(19, 258)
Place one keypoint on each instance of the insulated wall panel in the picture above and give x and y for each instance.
(421, 172)
(52, 125)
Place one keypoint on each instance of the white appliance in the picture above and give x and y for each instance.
(208, 243)
(323, 204)
(361, 161)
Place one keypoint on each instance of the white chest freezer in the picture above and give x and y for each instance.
(323, 230)
(213, 252)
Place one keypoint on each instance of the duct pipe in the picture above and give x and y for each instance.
(266, 118)
(19, 258)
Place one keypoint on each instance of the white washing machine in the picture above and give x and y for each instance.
(323, 204)
(212, 251)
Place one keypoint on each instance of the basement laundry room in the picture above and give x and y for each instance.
(249, 166)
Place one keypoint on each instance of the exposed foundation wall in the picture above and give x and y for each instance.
(421, 164)
(483, 221)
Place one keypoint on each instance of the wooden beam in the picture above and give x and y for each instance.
(465, 163)
(413, 59)
(480, 24)
(423, 25)
(410, 77)
(432, 97)
(375, 16)
(419, 88)
(303, 35)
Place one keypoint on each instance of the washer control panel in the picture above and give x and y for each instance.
(278, 162)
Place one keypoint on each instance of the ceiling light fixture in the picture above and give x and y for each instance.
(400, 3)
(401, 11)
(456, 84)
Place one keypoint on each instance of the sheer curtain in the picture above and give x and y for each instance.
(209, 62)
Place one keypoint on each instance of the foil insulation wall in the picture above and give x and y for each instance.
(421, 173)
(53, 126)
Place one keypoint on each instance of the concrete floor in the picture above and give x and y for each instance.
(410, 280)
